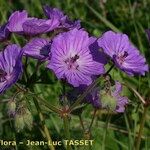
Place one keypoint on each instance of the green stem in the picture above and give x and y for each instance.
(25, 69)
(137, 146)
(66, 129)
(135, 92)
(129, 132)
(81, 122)
(48, 105)
(33, 77)
(105, 132)
(88, 90)
(47, 134)
(94, 115)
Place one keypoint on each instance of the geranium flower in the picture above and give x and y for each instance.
(112, 99)
(19, 22)
(10, 66)
(125, 56)
(71, 58)
(37, 48)
(65, 21)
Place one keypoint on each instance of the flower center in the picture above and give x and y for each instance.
(45, 50)
(2, 75)
(72, 62)
(121, 57)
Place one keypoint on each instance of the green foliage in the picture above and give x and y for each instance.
(109, 131)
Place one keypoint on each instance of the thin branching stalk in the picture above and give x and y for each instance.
(94, 115)
(130, 139)
(48, 105)
(103, 19)
(81, 122)
(135, 92)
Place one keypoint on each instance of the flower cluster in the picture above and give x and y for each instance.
(72, 54)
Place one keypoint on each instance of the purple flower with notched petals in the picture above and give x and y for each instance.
(19, 22)
(65, 21)
(4, 32)
(37, 48)
(71, 58)
(123, 53)
(10, 66)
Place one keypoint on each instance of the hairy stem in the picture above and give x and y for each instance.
(66, 129)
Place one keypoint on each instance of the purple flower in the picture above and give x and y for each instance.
(65, 21)
(98, 55)
(121, 100)
(71, 58)
(16, 21)
(10, 66)
(111, 98)
(36, 26)
(52, 13)
(19, 22)
(69, 24)
(123, 53)
(4, 32)
(37, 48)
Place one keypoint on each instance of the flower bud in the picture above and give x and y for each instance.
(108, 101)
(19, 122)
(23, 118)
(28, 119)
(11, 107)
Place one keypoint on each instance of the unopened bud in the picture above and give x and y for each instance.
(11, 107)
(108, 102)
(28, 119)
(19, 122)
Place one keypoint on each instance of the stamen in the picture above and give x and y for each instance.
(71, 62)
(45, 50)
(121, 57)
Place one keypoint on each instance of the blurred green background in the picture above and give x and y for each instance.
(110, 131)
